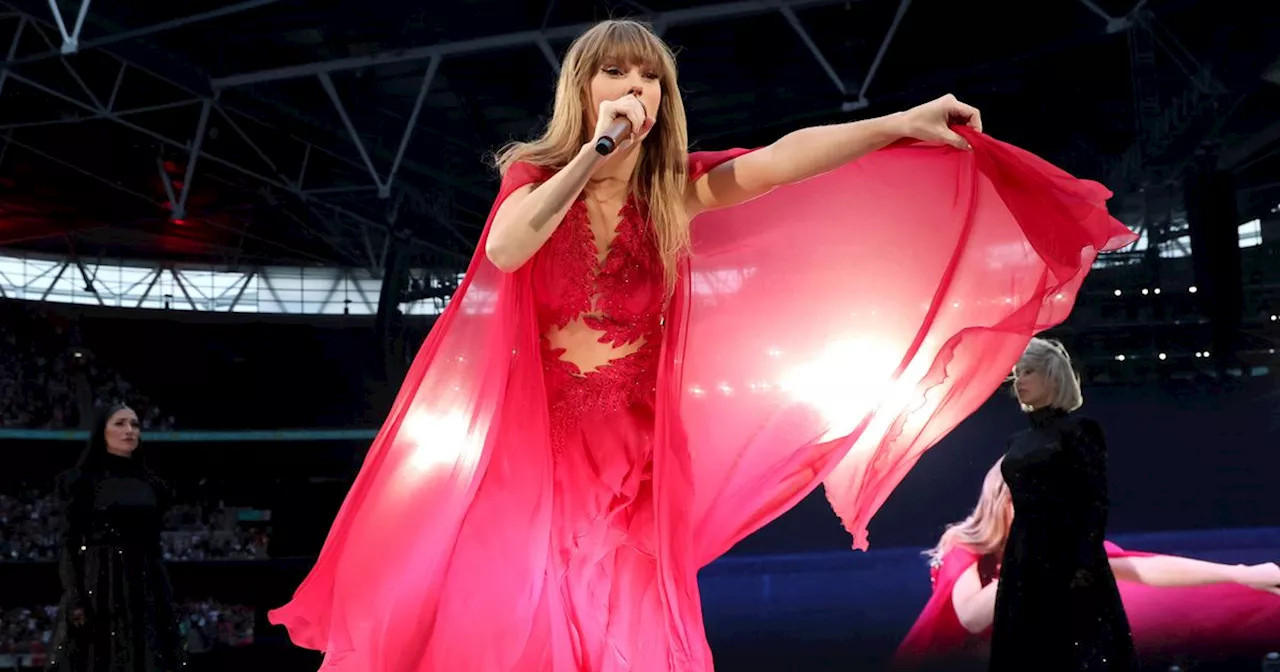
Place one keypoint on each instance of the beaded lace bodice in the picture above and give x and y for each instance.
(616, 292)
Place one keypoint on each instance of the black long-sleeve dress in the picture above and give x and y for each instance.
(1058, 607)
(112, 568)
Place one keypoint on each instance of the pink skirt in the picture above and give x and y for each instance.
(605, 571)
(592, 604)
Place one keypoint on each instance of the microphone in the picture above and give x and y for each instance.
(612, 136)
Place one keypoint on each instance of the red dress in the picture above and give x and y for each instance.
(515, 515)
(1167, 623)
(937, 637)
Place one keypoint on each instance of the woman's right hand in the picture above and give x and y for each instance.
(628, 106)
(77, 616)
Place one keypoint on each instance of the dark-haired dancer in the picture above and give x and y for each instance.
(116, 613)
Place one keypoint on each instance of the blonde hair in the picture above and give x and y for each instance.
(1050, 358)
(662, 172)
(986, 529)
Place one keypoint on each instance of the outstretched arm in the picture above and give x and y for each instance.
(813, 151)
(975, 604)
(1168, 571)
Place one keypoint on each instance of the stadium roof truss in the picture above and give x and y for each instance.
(52, 36)
(341, 191)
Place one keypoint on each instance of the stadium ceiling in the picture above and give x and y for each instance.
(270, 130)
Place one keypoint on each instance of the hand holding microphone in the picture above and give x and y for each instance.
(617, 124)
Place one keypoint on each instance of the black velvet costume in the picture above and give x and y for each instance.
(1058, 607)
(112, 569)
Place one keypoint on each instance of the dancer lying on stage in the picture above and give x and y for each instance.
(1176, 606)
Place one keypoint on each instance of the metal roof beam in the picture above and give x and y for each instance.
(384, 186)
(790, 15)
(527, 38)
(197, 152)
(903, 5)
(71, 42)
(193, 82)
(1243, 153)
(861, 101)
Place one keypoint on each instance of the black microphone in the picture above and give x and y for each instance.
(613, 135)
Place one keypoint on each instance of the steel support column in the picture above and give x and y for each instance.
(180, 208)
(903, 6)
(547, 53)
(1114, 24)
(384, 185)
(13, 48)
(70, 40)
(790, 15)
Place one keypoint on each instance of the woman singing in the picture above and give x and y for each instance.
(117, 611)
(1215, 609)
(614, 397)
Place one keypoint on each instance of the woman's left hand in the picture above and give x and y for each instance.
(931, 122)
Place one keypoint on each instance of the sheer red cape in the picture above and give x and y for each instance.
(1200, 621)
(830, 331)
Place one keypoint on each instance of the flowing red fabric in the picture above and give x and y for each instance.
(833, 329)
(1201, 621)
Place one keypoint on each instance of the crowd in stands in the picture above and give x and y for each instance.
(210, 624)
(25, 632)
(215, 531)
(49, 379)
(30, 520)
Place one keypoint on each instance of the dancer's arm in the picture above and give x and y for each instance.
(813, 151)
(1168, 571)
(975, 604)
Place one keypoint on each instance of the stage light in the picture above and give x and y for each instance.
(1193, 289)
(1156, 290)
(1118, 292)
(1145, 291)
(1119, 358)
(1163, 356)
